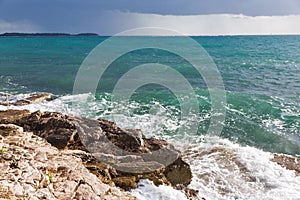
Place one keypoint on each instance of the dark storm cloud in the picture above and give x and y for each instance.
(88, 15)
(15, 9)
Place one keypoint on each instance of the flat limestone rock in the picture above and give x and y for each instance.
(33, 169)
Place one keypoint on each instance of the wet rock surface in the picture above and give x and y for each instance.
(33, 98)
(288, 162)
(68, 136)
(125, 150)
(178, 173)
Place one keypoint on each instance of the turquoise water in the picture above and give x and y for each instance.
(261, 75)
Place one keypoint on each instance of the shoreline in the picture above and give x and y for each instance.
(59, 132)
(16, 34)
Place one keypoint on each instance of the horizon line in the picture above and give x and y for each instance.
(91, 34)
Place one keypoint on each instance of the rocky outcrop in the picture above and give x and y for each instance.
(126, 150)
(95, 141)
(33, 98)
(33, 169)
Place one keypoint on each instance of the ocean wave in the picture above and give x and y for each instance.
(226, 170)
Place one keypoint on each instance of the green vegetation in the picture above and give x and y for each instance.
(2, 151)
(50, 177)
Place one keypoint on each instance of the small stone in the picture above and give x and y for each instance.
(125, 182)
(179, 173)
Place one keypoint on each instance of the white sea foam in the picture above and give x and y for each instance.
(225, 170)
(147, 190)
(62, 104)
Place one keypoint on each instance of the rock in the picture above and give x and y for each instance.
(125, 182)
(130, 140)
(54, 175)
(117, 157)
(33, 98)
(119, 137)
(192, 194)
(179, 172)
(111, 176)
(289, 162)
(123, 151)
(62, 131)
(12, 116)
(56, 128)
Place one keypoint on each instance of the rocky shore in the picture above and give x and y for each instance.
(50, 155)
(42, 156)
(33, 169)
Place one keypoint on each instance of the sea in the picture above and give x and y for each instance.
(260, 78)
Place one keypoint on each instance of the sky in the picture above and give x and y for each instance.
(190, 17)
